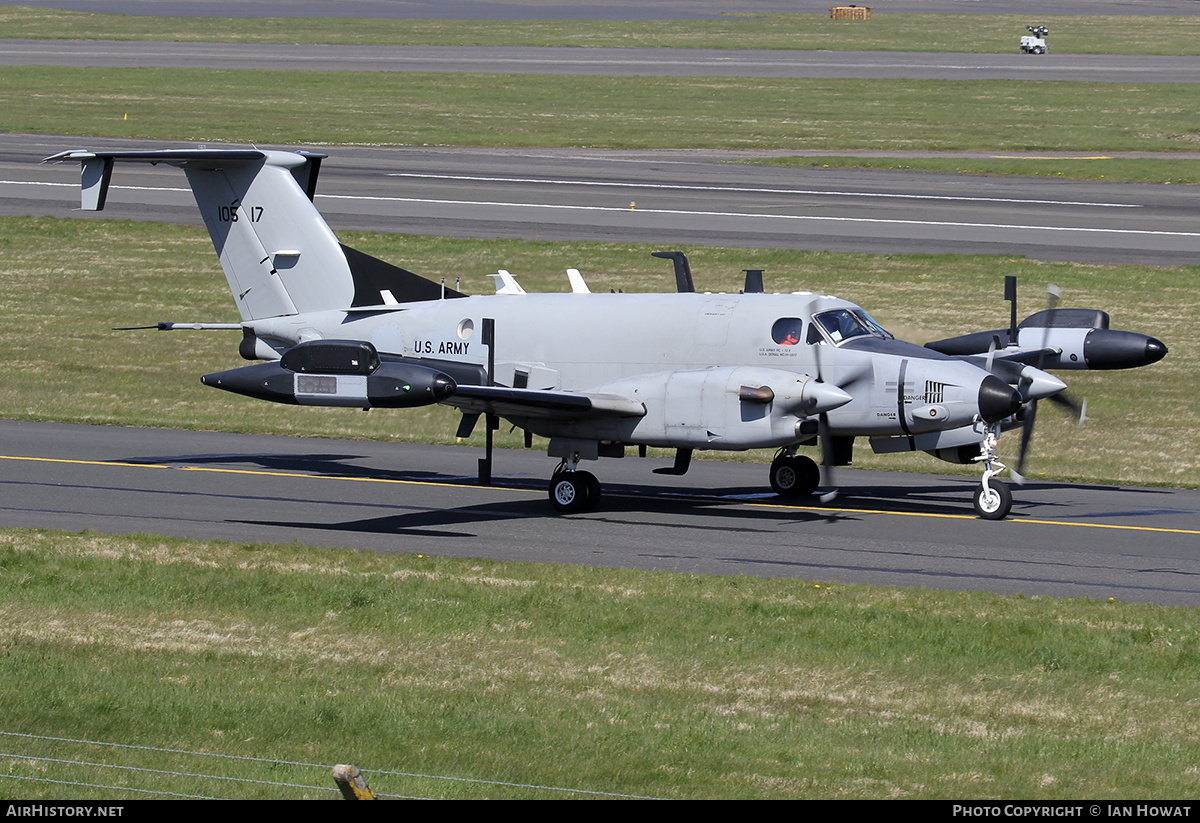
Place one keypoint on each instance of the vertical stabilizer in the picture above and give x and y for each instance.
(279, 255)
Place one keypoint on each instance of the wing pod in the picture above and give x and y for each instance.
(1082, 339)
(345, 373)
(1062, 339)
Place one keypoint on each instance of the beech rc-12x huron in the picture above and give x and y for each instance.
(597, 374)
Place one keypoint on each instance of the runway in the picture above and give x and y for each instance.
(1065, 540)
(675, 198)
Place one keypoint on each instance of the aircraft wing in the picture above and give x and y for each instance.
(553, 405)
(1025, 356)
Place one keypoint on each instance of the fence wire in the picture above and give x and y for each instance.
(263, 760)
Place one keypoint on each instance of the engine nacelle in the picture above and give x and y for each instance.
(732, 408)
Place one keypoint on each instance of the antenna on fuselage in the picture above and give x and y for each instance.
(1010, 294)
(754, 281)
(683, 272)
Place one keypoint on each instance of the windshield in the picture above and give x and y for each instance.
(842, 324)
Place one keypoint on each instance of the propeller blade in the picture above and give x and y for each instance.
(991, 355)
(1053, 295)
(1026, 437)
(827, 458)
(825, 438)
(1078, 410)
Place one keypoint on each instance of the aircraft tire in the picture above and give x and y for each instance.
(794, 475)
(994, 505)
(572, 492)
(593, 490)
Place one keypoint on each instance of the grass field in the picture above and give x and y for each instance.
(374, 108)
(1069, 34)
(650, 684)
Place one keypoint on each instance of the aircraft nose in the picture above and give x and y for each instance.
(997, 399)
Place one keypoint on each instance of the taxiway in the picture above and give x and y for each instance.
(1065, 540)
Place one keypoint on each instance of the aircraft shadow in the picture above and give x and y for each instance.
(623, 506)
(623, 503)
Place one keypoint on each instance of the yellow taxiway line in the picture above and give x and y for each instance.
(790, 507)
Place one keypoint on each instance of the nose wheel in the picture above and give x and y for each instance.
(993, 500)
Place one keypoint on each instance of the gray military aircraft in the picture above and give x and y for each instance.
(599, 373)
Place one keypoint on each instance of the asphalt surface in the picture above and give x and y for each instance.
(676, 198)
(613, 62)
(1132, 544)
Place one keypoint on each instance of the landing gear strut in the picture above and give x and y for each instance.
(993, 500)
(794, 475)
(573, 491)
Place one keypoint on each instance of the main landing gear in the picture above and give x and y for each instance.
(794, 475)
(993, 500)
(573, 491)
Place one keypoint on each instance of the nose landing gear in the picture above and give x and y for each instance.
(993, 500)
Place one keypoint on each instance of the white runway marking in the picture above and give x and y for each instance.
(759, 190)
(718, 214)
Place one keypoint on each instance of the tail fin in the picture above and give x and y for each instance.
(279, 255)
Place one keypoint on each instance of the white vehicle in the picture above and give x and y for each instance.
(1035, 41)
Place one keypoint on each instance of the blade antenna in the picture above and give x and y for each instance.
(1010, 294)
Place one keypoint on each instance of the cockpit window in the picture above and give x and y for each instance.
(786, 331)
(843, 324)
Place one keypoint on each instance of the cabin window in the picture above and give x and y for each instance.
(786, 331)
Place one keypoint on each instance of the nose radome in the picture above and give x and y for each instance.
(1155, 350)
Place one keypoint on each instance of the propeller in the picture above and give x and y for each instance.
(1053, 295)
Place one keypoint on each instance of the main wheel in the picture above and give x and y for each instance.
(572, 492)
(794, 475)
(593, 490)
(993, 503)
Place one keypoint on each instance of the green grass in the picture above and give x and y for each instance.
(330, 108)
(1095, 167)
(668, 685)
(64, 284)
(1107, 34)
